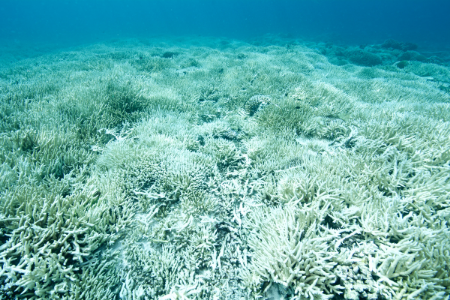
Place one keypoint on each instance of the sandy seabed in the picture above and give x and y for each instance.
(207, 168)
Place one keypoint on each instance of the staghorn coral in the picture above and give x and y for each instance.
(127, 175)
(289, 248)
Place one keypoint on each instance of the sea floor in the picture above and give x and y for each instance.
(212, 168)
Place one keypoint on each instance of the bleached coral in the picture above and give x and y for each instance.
(289, 248)
(248, 172)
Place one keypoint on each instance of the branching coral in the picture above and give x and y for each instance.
(249, 172)
(47, 237)
(289, 248)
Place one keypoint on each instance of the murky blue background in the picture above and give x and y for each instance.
(356, 21)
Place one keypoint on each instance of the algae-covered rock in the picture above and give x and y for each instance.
(412, 55)
(363, 58)
(393, 44)
(402, 64)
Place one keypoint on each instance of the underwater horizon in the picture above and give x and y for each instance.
(174, 150)
(351, 21)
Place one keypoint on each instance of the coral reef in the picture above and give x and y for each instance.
(132, 170)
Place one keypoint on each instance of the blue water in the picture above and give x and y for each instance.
(426, 23)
